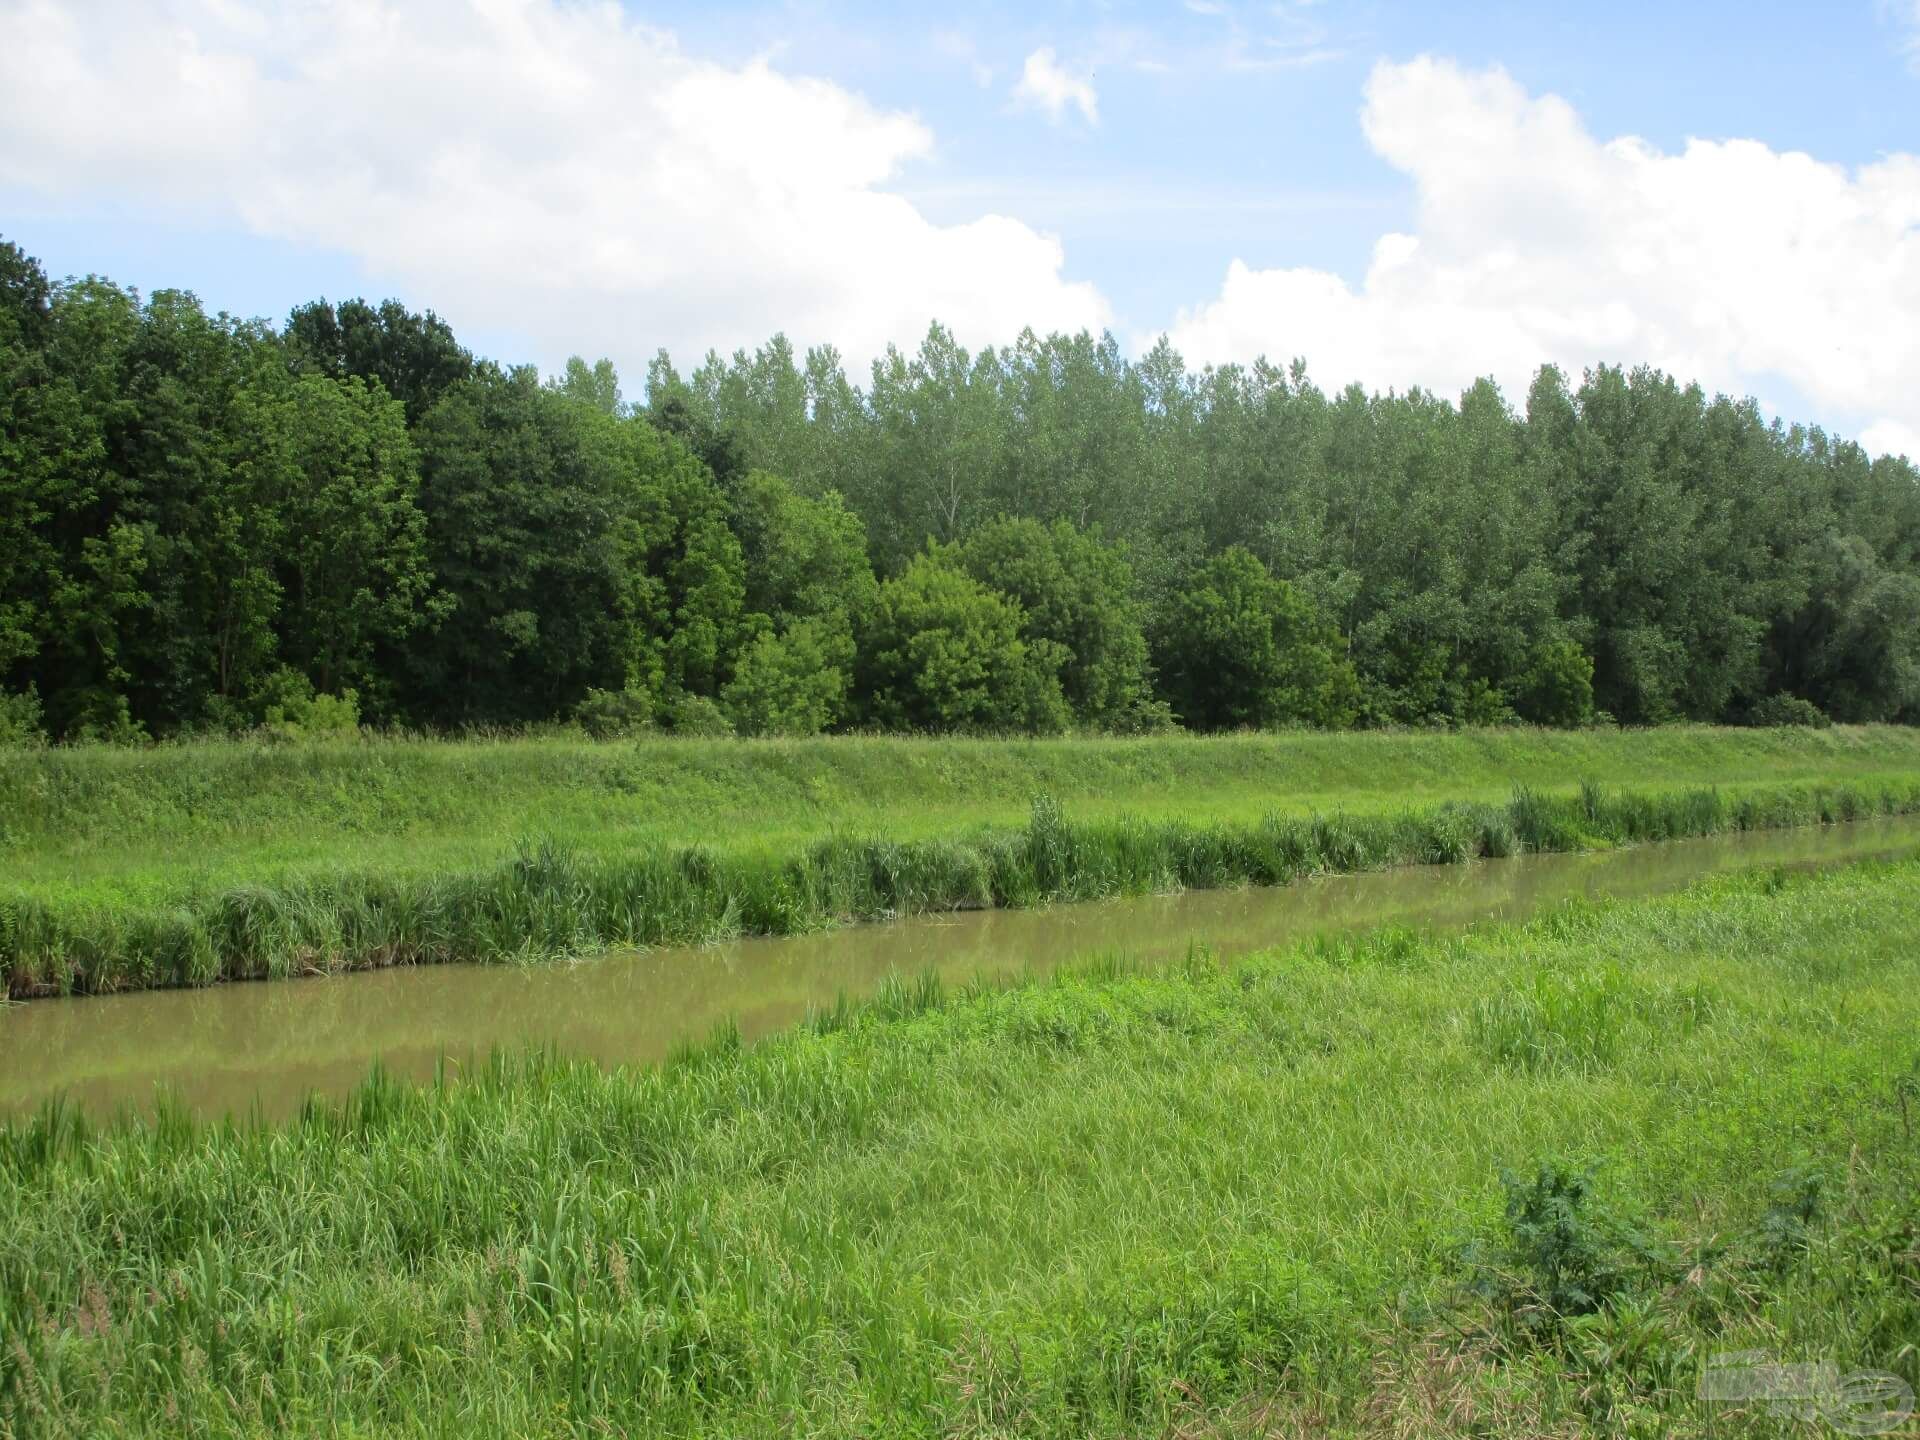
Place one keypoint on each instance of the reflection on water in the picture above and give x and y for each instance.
(235, 1047)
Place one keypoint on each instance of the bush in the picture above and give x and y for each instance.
(1241, 648)
(1558, 687)
(791, 684)
(1483, 704)
(1144, 716)
(20, 718)
(614, 714)
(697, 715)
(1776, 711)
(289, 710)
(944, 652)
(1566, 1255)
(104, 718)
(1076, 592)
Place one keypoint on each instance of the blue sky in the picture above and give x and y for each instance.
(1212, 132)
(1205, 161)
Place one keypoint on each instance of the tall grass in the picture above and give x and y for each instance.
(1253, 1199)
(551, 901)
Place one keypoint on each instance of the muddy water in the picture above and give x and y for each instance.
(265, 1046)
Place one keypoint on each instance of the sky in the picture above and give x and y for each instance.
(1401, 194)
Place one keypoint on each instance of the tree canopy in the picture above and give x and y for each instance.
(207, 522)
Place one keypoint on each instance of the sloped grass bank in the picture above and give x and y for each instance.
(111, 825)
(1264, 1198)
(551, 901)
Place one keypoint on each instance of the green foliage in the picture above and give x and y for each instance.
(20, 718)
(578, 551)
(791, 684)
(698, 716)
(1249, 1174)
(1564, 1250)
(189, 502)
(1240, 648)
(290, 709)
(804, 557)
(943, 652)
(1558, 687)
(597, 385)
(615, 714)
(1075, 593)
(347, 560)
(1796, 1206)
(1785, 710)
(412, 357)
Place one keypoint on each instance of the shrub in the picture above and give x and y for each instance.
(1483, 703)
(1144, 716)
(697, 715)
(1797, 1204)
(944, 652)
(290, 710)
(614, 714)
(791, 684)
(104, 718)
(1558, 687)
(1565, 1254)
(20, 718)
(1775, 711)
(1077, 592)
(1241, 648)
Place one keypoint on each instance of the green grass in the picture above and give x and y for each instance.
(553, 901)
(1259, 1198)
(190, 863)
(109, 824)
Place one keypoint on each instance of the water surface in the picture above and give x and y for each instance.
(266, 1046)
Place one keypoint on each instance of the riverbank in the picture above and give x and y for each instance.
(262, 1050)
(110, 823)
(191, 887)
(1221, 1199)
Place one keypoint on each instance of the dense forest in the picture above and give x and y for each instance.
(209, 524)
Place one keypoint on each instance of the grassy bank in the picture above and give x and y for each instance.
(1256, 1199)
(552, 900)
(112, 824)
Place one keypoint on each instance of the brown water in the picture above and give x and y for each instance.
(238, 1047)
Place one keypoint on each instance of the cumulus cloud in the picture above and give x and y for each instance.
(1048, 85)
(547, 168)
(1728, 262)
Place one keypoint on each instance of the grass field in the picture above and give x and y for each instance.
(1255, 1199)
(192, 863)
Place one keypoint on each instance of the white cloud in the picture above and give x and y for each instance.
(1906, 14)
(1892, 437)
(958, 46)
(544, 168)
(1046, 83)
(1728, 262)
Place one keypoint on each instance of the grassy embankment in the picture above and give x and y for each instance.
(1254, 1199)
(194, 863)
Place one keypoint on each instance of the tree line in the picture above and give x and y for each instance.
(209, 524)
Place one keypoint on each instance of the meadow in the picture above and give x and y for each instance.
(1524, 1181)
(192, 863)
